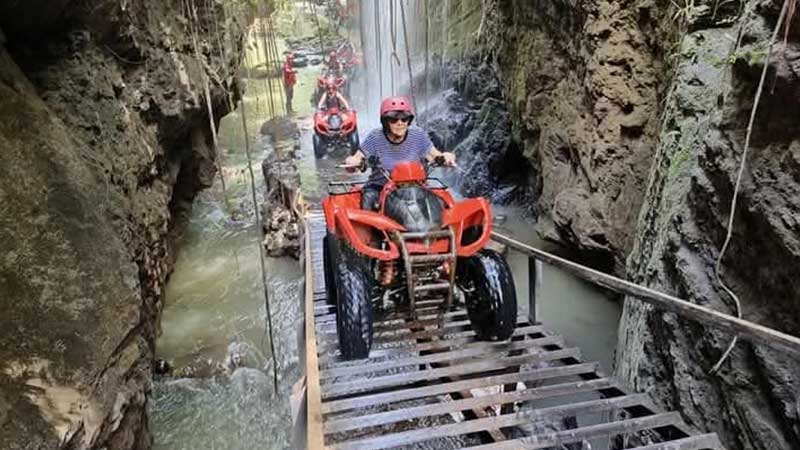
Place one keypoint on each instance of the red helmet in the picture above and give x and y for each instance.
(396, 103)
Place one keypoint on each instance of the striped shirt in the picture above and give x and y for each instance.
(415, 147)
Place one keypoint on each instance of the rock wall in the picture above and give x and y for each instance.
(470, 118)
(634, 115)
(583, 80)
(105, 140)
(753, 401)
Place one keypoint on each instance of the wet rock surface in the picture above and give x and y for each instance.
(752, 403)
(582, 81)
(282, 199)
(105, 141)
(470, 118)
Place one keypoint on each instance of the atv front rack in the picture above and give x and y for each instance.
(417, 261)
(343, 187)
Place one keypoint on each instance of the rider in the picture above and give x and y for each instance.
(289, 79)
(396, 141)
(332, 99)
(333, 62)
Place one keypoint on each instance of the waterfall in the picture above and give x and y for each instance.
(386, 62)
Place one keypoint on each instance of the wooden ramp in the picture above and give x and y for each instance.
(430, 382)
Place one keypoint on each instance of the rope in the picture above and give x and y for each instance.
(267, 67)
(277, 60)
(223, 51)
(427, 33)
(393, 36)
(260, 246)
(737, 186)
(408, 54)
(446, 41)
(207, 92)
(319, 29)
(378, 45)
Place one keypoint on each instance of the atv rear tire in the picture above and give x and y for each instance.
(320, 147)
(329, 262)
(354, 311)
(488, 286)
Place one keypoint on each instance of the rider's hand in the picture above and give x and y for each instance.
(352, 163)
(449, 159)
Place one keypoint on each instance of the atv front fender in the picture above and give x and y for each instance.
(357, 226)
(473, 212)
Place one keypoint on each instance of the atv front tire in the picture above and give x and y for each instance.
(354, 311)
(488, 286)
(320, 147)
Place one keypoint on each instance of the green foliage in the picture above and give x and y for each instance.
(719, 62)
(754, 55)
(679, 161)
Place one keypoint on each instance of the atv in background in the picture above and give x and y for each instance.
(335, 132)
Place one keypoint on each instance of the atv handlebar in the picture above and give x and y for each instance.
(374, 163)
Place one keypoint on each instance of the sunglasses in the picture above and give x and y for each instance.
(400, 118)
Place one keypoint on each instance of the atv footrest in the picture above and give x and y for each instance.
(432, 287)
(421, 259)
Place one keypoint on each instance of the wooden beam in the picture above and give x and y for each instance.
(538, 393)
(456, 386)
(494, 423)
(454, 339)
(750, 331)
(477, 350)
(708, 441)
(315, 439)
(344, 388)
(574, 435)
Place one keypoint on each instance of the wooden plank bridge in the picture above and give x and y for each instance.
(429, 381)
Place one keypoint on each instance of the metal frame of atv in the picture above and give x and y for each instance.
(410, 262)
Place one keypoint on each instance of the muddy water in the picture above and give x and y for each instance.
(214, 320)
(214, 332)
(569, 306)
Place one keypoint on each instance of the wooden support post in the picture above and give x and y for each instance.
(534, 288)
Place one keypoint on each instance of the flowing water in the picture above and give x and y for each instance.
(214, 314)
(214, 333)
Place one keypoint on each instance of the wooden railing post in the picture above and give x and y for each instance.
(534, 288)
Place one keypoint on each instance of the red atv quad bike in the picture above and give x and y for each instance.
(335, 129)
(421, 244)
(330, 77)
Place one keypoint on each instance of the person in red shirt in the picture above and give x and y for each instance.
(289, 80)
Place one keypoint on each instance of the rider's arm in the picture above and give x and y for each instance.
(343, 101)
